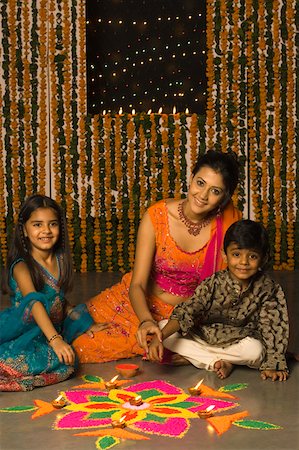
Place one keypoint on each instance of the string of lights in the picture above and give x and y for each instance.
(146, 55)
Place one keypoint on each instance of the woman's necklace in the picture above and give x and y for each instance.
(192, 227)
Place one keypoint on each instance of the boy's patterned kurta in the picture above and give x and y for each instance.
(222, 314)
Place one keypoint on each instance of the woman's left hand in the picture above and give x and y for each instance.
(97, 327)
(146, 329)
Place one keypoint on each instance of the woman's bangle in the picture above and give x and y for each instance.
(147, 320)
(55, 336)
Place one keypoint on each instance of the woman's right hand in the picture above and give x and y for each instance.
(148, 328)
(64, 351)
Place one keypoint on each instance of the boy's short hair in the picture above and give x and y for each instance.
(248, 234)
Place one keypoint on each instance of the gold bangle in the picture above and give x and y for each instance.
(55, 336)
(148, 320)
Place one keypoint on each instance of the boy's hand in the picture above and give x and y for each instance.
(156, 350)
(280, 375)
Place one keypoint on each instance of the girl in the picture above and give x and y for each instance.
(36, 331)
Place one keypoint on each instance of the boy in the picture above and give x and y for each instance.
(236, 316)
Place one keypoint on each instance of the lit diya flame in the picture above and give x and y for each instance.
(205, 413)
(119, 423)
(137, 401)
(196, 389)
(59, 402)
(112, 384)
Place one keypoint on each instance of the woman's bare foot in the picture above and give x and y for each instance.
(223, 368)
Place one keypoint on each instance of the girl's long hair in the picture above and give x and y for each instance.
(20, 247)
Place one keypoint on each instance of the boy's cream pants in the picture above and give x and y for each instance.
(248, 352)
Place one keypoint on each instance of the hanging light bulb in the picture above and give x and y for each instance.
(160, 110)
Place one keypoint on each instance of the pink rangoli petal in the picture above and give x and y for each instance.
(83, 396)
(160, 385)
(79, 419)
(173, 427)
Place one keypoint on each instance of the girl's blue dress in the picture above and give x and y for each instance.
(26, 359)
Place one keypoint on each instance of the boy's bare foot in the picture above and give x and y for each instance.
(223, 368)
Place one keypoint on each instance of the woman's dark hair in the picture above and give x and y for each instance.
(224, 163)
(250, 235)
(20, 245)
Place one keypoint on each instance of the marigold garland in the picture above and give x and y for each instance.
(223, 76)
(14, 105)
(82, 132)
(43, 113)
(130, 166)
(96, 193)
(165, 168)
(236, 80)
(153, 162)
(67, 118)
(54, 103)
(177, 156)
(142, 182)
(27, 103)
(277, 136)
(119, 187)
(210, 107)
(193, 140)
(263, 112)
(291, 156)
(250, 109)
(3, 234)
(108, 195)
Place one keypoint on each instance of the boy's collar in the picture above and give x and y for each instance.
(235, 282)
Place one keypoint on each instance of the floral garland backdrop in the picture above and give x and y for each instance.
(105, 170)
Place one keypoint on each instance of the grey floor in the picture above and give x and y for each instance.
(277, 403)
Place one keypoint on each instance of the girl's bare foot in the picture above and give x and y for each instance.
(223, 368)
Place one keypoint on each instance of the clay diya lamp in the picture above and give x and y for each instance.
(136, 401)
(119, 423)
(206, 413)
(112, 384)
(127, 370)
(59, 402)
(196, 389)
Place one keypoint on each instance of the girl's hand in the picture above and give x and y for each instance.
(97, 327)
(147, 328)
(64, 351)
(280, 375)
(156, 350)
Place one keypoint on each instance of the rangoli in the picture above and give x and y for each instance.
(163, 409)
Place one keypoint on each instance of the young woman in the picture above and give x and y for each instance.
(179, 244)
(37, 330)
